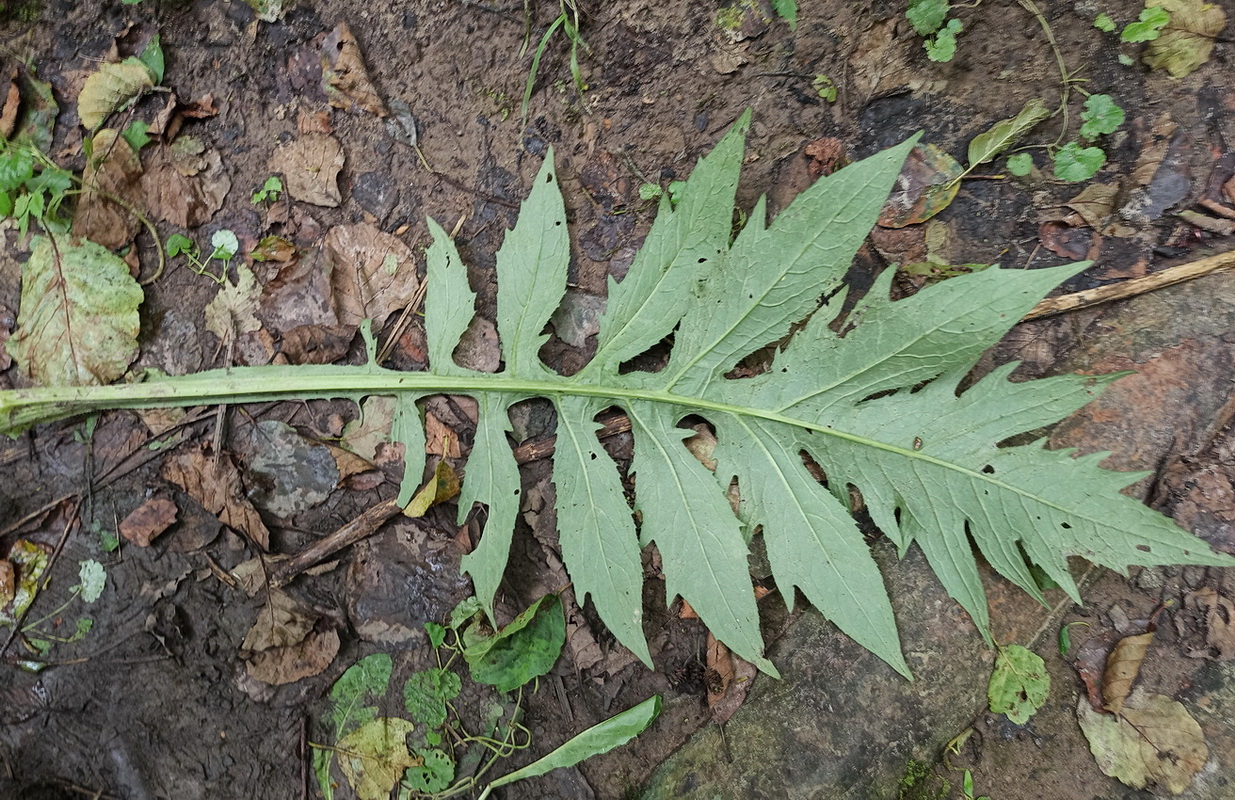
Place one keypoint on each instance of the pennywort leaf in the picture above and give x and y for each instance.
(1102, 115)
(1074, 163)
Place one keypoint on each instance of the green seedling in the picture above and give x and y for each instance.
(1100, 117)
(967, 788)
(929, 19)
(1020, 164)
(1147, 27)
(270, 191)
(225, 245)
(1104, 23)
(418, 756)
(825, 88)
(568, 22)
(1065, 637)
(653, 191)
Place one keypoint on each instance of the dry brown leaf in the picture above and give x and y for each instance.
(1070, 241)
(879, 64)
(310, 168)
(1122, 667)
(317, 344)
(1154, 740)
(232, 311)
(185, 183)
(1219, 614)
(8, 583)
(440, 438)
(286, 642)
(1188, 39)
(478, 346)
(1095, 203)
(148, 520)
(161, 420)
(344, 77)
(114, 169)
(12, 103)
(299, 294)
(728, 678)
(215, 484)
(373, 273)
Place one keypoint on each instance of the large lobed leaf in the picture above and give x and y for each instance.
(878, 408)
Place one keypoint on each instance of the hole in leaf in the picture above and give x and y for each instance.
(1065, 526)
(988, 470)
(1144, 548)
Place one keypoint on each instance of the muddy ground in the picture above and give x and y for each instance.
(156, 701)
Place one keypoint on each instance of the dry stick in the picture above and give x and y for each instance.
(1130, 288)
(360, 528)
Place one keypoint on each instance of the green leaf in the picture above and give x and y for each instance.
(525, 649)
(1020, 164)
(93, 580)
(135, 134)
(1104, 23)
(434, 775)
(1019, 685)
(879, 409)
(1147, 27)
(16, 167)
(78, 322)
(1005, 133)
(426, 693)
(322, 761)
(179, 243)
(1101, 116)
(943, 47)
(152, 57)
(927, 16)
(788, 11)
(225, 243)
(436, 634)
(30, 561)
(366, 680)
(613, 732)
(1074, 163)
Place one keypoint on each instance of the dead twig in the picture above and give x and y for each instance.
(360, 528)
(1131, 288)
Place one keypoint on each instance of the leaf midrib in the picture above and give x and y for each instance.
(262, 384)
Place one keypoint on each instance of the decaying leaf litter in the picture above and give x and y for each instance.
(300, 224)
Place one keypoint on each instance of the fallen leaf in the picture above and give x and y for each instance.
(1153, 740)
(826, 155)
(215, 485)
(299, 294)
(1122, 667)
(1095, 203)
(8, 583)
(344, 77)
(1005, 133)
(1188, 39)
(274, 248)
(478, 346)
(442, 486)
(728, 679)
(39, 112)
(232, 311)
(1067, 241)
(288, 474)
(148, 520)
(578, 317)
(310, 168)
(928, 182)
(29, 561)
(374, 756)
(317, 344)
(269, 10)
(109, 88)
(287, 642)
(12, 104)
(114, 169)
(1019, 684)
(1218, 613)
(363, 435)
(373, 275)
(879, 64)
(185, 183)
(78, 321)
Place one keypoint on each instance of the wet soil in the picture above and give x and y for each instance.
(155, 701)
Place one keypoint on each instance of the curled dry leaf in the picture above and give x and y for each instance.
(1095, 203)
(148, 520)
(12, 103)
(317, 344)
(344, 77)
(78, 323)
(215, 485)
(442, 486)
(373, 273)
(1122, 667)
(310, 168)
(1152, 740)
(185, 183)
(1218, 613)
(115, 170)
(728, 678)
